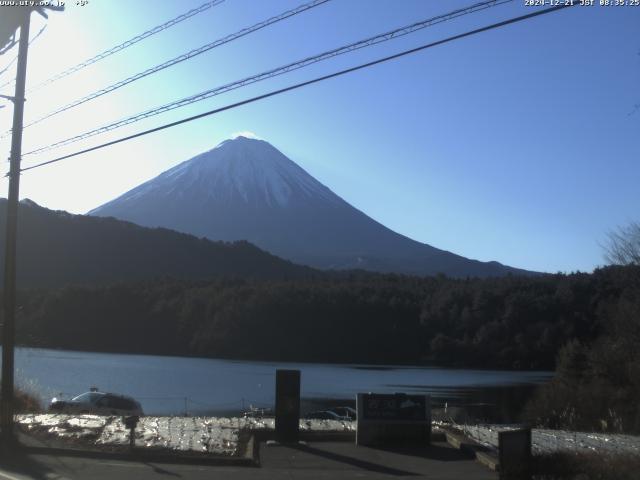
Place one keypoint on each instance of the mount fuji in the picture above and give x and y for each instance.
(246, 189)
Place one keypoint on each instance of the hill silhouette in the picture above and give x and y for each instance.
(56, 248)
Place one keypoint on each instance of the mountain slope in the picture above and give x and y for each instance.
(57, 248)
(245, 189)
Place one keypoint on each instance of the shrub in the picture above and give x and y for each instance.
(586, 466)
(596, 387)
(26, 403)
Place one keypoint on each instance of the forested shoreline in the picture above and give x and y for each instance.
(508, 323)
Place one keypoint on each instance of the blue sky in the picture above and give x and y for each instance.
(515, 145)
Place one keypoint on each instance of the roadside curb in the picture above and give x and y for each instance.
(250, 458)
(488, 460)
(328, 436)
(481, 453)
(307, 436)
(264, 436)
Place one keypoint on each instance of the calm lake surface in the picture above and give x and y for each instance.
(175, 385)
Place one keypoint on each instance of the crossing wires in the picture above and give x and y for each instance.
(15, 59)
(179, 59)
(132, 41)
(383, 37)
(308, 82)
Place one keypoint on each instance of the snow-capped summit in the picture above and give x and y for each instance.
(246, 189)
(242, 169)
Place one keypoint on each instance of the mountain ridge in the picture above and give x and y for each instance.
(58, 248)
(246, 189)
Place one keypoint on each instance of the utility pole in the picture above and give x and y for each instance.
(9, 325)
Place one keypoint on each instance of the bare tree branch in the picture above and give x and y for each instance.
(623, 246)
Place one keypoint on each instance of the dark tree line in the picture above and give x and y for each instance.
(509, 322)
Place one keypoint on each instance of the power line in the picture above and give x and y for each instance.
(14, 59)
(304, 84)
(383, 37)
(7, 67)
(179, 59)
(275, 72)
(8, 82)
(128, 43)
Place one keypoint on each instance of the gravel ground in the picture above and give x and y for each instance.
(549, 441)
(214, 435)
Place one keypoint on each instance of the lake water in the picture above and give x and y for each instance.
(175, 385)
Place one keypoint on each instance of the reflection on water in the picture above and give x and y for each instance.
(175, 385)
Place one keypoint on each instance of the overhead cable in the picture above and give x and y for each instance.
(304, 84)
(14, 59)
(132, 41)
(383, 37)
(179, 59)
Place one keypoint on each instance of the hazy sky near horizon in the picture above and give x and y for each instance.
(519, 145)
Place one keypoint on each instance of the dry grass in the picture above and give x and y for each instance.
(26, 403)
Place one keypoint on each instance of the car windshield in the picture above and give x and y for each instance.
(90, 397)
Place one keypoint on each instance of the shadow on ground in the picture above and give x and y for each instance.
(17, 462)
(431, 452)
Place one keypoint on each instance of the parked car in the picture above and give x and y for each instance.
(346, 412)
(98, 403)
(326, 415)
(255, 412)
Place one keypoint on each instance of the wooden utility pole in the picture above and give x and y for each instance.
(9, 324)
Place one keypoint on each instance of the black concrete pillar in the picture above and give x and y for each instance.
(287, 405)
(514, 451)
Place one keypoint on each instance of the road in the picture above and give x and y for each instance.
(323, 460)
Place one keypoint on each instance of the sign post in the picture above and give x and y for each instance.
(287, 405)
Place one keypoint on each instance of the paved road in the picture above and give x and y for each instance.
(322, 460)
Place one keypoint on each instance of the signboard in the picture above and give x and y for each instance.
(389, 419)
(394, 407)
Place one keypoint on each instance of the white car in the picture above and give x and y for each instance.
(326, 415)
(347, 412)
(98, 403)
